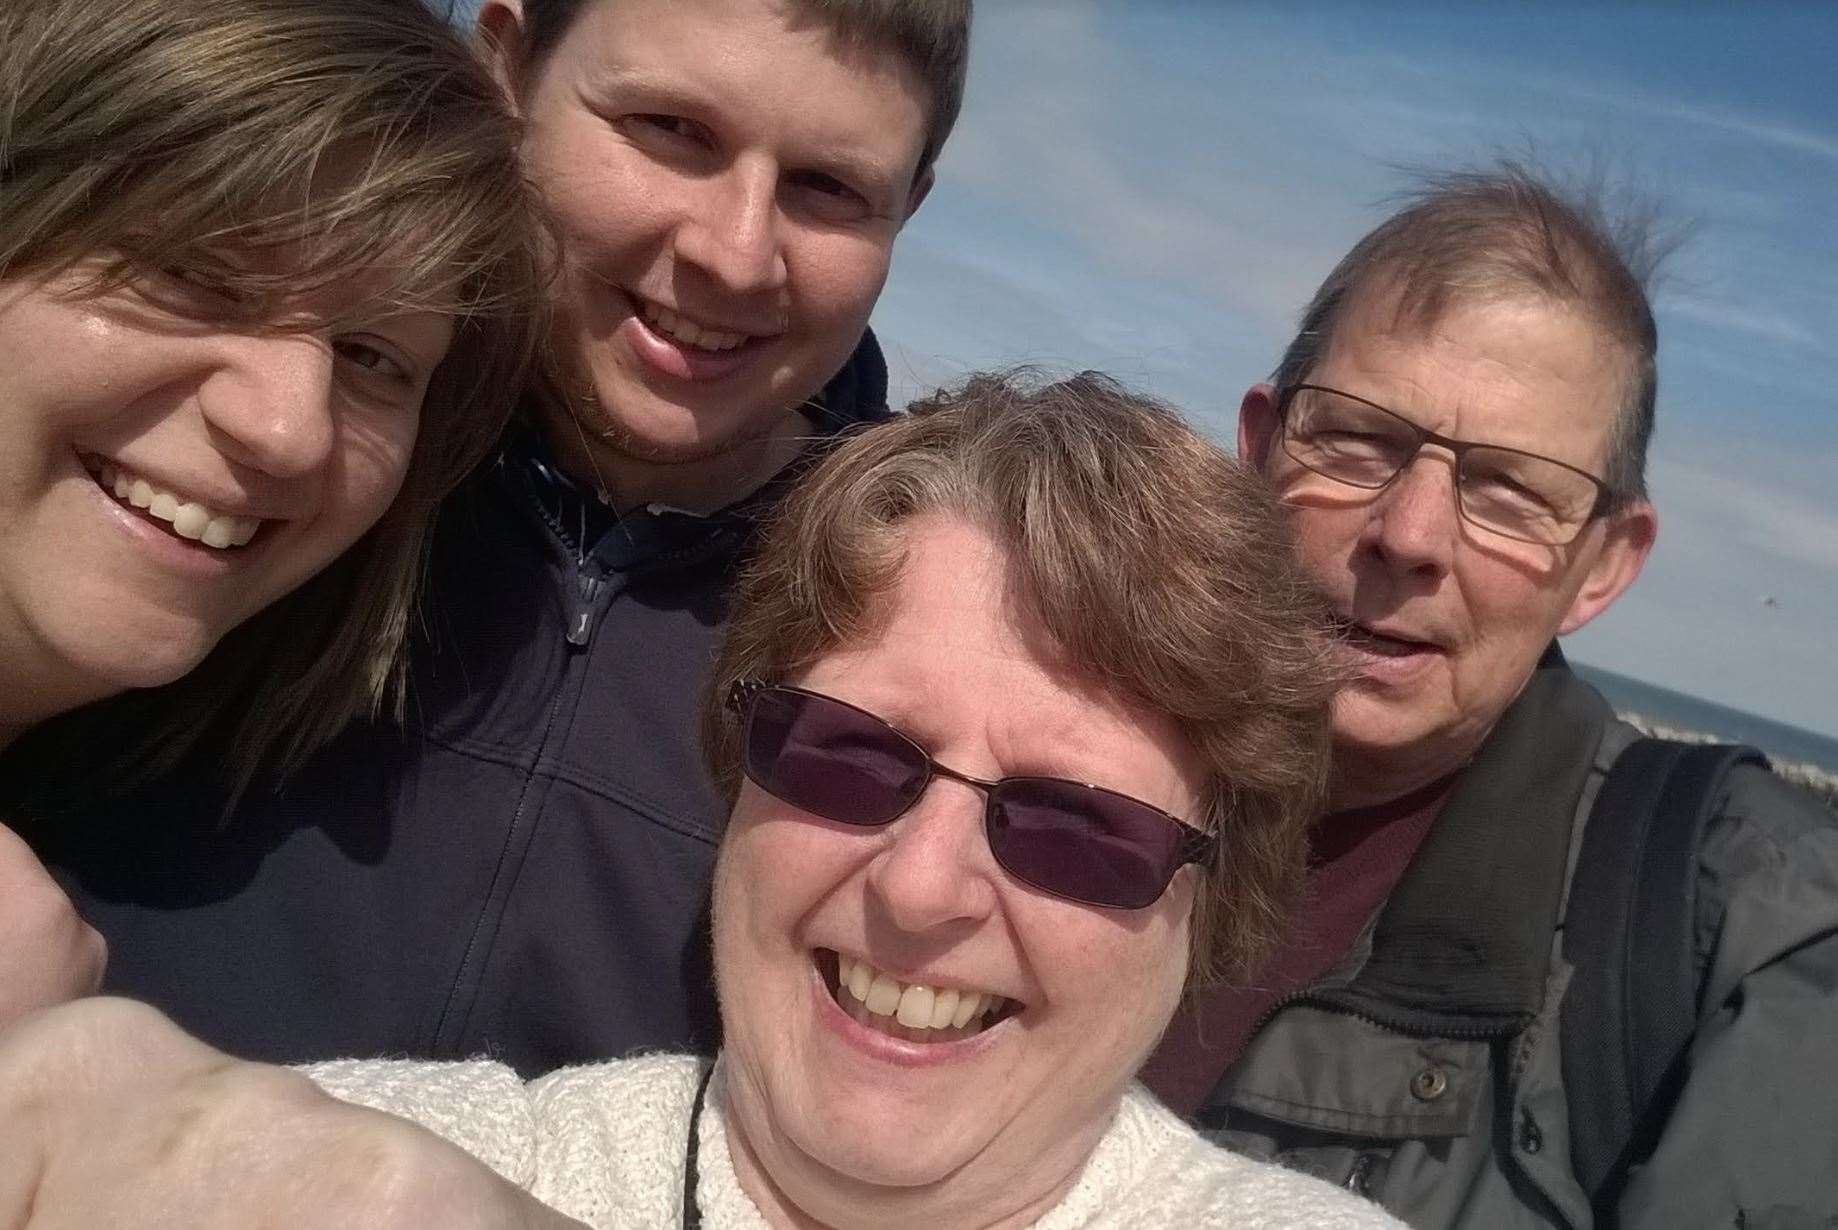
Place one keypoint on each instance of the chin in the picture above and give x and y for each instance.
(122, 663)
(888, 1154)
(1368, 724)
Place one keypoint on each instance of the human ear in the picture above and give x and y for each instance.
(1627, 540)
(1257, 426)
(922, 188)
(502, 42)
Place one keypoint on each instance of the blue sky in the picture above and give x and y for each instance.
(1153, 187)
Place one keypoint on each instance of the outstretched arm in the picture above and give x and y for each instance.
(116, 1117)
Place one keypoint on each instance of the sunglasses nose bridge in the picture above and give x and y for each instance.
(935, 867)
(977, 784)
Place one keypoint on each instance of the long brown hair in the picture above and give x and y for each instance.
(147, 134)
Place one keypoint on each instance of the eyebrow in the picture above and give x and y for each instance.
(656, 92)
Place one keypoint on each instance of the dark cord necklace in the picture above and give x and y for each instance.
(692, 1215)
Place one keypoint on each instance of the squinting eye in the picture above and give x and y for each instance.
(190, 292)
(1503, 489)
(375, 361)
(674, 126)
(828, 185)
(829, 197)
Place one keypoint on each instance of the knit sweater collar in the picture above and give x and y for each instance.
(1124, 1156)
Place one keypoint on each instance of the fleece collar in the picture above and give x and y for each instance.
(1463, 944)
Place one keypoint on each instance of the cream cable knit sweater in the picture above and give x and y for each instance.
(604, 1144)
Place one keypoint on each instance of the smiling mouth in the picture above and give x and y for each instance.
(170, 511)
(688, 333)
(909, 1011)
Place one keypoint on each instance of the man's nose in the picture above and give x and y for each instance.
(1414, 522)
(269, 401)
(936, 868)
(733, 233)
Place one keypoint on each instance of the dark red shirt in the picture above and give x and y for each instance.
(1355, 859)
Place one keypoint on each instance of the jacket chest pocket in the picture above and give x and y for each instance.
(1360, 1167)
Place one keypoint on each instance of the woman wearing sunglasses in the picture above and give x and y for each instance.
(1023, 715)
(266, 269)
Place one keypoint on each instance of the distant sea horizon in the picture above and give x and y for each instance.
(1778, 739)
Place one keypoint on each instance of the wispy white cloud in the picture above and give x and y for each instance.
(1767, 323)
(1725, 121)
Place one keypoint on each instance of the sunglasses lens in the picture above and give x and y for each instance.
(830, 759)
(1084, 843)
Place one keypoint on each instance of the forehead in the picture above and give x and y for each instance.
(1521, 371)
(957, 648)
(769, 61)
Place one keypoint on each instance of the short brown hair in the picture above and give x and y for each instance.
(1503, 233)
(144, 134)
(931, 36)
(1161, 568)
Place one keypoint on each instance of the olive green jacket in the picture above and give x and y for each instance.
(1425, 1071)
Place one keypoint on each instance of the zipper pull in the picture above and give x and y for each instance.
(581, 619)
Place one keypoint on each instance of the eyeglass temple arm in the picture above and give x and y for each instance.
(741, 691)
(1198, 847)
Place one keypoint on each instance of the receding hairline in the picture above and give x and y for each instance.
(1381, 302)
(1514, 230)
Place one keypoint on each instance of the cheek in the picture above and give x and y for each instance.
(838, 278)
(778, 867)
(602, 194)
(593, 230)
(376, 451)
(1123, 973)
(1324, 539)
(1505, 604)
(64, 370)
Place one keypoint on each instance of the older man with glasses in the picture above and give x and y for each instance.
(1459, 430)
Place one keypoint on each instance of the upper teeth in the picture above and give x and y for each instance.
(914, 1005)
(190, 519)
(688, 331)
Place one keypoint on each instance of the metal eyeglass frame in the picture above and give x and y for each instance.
(1604, 495)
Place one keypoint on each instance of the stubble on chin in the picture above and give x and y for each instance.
(571, 391)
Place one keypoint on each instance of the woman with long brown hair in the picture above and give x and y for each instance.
(268, 276)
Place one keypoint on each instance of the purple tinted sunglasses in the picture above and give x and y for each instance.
(1081, 842)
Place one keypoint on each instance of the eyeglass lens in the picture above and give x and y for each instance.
(1085, 843)
(1520, 495)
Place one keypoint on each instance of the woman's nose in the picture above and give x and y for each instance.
(936, 869)
(269, 400)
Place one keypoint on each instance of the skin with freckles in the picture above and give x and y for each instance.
(310, 430)
(719, 158)
(1447, 621)
(830, 1130)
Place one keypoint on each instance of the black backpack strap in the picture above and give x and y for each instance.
(1631, 1007)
